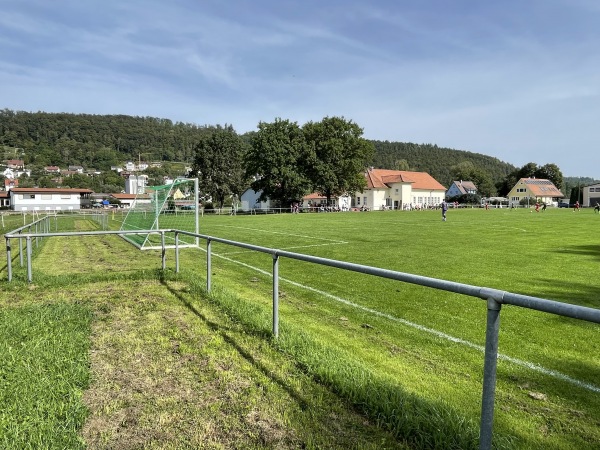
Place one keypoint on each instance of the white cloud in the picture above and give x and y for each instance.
(506, 79)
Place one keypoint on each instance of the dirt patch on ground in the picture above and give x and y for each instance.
(154, 386)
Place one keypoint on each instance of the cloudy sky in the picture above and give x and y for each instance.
(515, 79)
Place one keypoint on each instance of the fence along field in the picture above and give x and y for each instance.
(428, 341)
(546, 362)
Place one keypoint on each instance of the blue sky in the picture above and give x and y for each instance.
(517, 80)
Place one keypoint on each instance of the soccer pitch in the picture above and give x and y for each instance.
(431, 341)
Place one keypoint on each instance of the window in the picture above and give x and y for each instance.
(46, 196)
(358, 200)
(396, 190)
(65, 196)
(365, 201)
(32, 196)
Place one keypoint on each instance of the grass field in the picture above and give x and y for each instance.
(406, 358)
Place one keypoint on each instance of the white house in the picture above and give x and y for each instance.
(250, 200)
(49, 199)
(15, 173)
(399, 189)
(77, 169)
(461, 188)
(136, 184)
(591, 194)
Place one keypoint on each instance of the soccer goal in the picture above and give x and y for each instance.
(172, 206)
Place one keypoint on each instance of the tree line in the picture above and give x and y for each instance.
(282, 159)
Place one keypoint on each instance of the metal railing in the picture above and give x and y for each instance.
(494, 298)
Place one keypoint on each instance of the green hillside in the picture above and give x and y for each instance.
(100, 141)
(437, 161)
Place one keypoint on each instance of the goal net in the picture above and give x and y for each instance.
(172, 206)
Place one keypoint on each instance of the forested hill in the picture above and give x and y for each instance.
(97, 141)
(100, 141)
(437, 161)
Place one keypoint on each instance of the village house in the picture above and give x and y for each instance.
(539, 189)
(249, 201)
(49, 199)
(4, 199)
(461, 187)
(13, 174)
(591, 195)
(17, 164)
(135, 184)
(399, 189)
(76, 169)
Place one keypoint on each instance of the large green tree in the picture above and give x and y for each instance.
(278, 161)
(218, 163)
(551, 172)
(340, 156)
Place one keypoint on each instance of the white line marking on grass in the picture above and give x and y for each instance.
(518, 362)
(509, 228)
(287, 248)
(285, 234)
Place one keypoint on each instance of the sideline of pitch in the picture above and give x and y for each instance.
(440, 334)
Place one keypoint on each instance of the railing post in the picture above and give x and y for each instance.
(163, 250)
(21, 249)
(208, 264)
(275, 295)
(8, 260)
(176, 252)
(489, 374)
(29, 275)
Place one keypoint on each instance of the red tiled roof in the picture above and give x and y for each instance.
(382, 178)
(313, 196)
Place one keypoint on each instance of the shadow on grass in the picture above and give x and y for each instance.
(582, 294)
(411, 419)
(420, 423)
(583, 250)
(43, 280)
(222, 331)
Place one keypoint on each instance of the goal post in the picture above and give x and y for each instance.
(171, 206)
